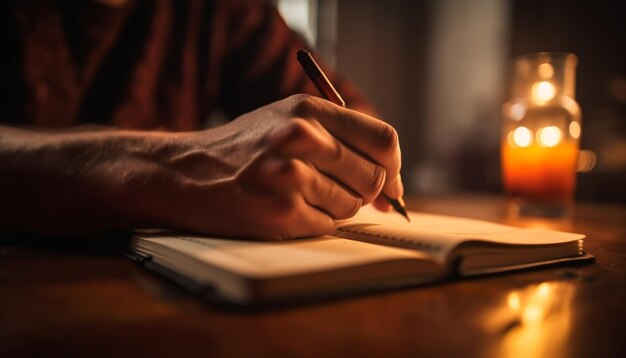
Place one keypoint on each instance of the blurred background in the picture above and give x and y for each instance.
(438, 70)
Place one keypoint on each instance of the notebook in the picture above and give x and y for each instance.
(371, 251)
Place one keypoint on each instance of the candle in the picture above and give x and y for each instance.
(541, 134)
(540, 174)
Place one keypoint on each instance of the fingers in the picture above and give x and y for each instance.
(373, 138)
(307, 141)
(288, 177)
(311, 222)
(296, 218)
(382, 204)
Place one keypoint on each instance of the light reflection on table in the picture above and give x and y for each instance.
(534, 321)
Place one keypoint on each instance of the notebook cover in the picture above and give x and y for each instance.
(583, 258)
(208, 293)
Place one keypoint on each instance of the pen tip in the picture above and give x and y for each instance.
(400, 207)
(402, 210)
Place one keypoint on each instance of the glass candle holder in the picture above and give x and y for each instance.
(541, 135)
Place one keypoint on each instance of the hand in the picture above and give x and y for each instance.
(285, 170)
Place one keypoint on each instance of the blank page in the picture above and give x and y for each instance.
(442, 233)
(262, 259)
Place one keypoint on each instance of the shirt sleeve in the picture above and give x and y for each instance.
(260, 64)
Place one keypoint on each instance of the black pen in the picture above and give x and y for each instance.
(328, 91)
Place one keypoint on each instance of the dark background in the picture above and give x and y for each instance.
(594, 31)
(396, 52)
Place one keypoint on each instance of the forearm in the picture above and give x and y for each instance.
(75, 180)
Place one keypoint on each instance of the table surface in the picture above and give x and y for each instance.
(63, 297)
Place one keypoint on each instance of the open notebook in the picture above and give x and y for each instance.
(371, 251)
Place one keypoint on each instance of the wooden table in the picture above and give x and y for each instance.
(91, 301)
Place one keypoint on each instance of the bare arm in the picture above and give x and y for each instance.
(285, 170)
(71, 180)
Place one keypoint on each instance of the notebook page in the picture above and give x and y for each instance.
(440, 234)
(262, 259)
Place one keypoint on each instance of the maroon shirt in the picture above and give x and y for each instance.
(145, 64)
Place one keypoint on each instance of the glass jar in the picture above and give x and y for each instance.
(541, 134)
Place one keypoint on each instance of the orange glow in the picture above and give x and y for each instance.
(518, 111)
(543, 91)
(586, 161)
(540, 174)
(574, 130)
(545, 71)
(520, 137)
(549, 136)
(534, 322)
(513, 301)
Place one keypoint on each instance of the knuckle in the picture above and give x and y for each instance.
(296, 98)
(303, 104)
(292, 174)
(295, 131)
(298, 129)
(338, 152)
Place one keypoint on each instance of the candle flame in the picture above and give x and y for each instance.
(543, 91)
(520, 137)
(549, 136)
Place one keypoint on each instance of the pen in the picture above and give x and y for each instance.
(328, 91)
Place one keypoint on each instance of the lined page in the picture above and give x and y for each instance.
(439, 234)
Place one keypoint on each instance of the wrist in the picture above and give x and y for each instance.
(139, 178)
(155, 172)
